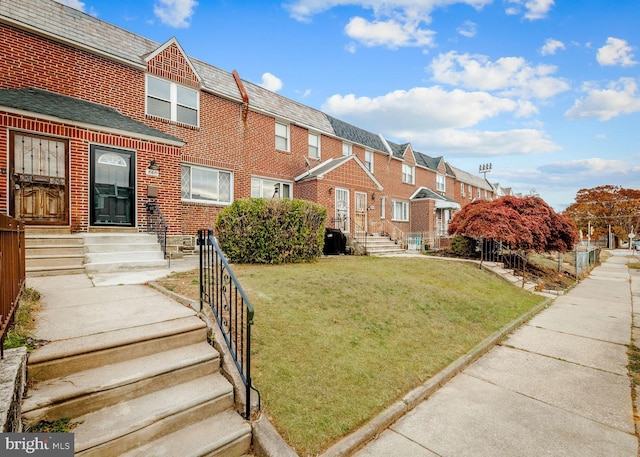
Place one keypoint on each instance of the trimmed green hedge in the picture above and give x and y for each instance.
(257, 230)
(464, 246)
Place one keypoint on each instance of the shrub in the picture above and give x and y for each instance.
(463, 246)
(257, 230)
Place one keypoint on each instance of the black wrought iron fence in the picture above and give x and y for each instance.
(156, 224)
(221, 291)
(12, 272)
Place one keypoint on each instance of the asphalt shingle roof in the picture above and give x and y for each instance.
(76, 110)
(474, 180)
(356, 134)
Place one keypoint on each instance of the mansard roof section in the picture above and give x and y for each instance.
(468, 178)
(398, 150)
(357, 135)
(276, 105)
(178, 58)
(322, 169)
(68, 109)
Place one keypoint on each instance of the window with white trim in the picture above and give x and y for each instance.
(206, 185)
(399, 211)
(282, 136)
(171, 101)
(383, 207)
(346, 149)
(407, 173)
(368, 160)
(462, 190)
(470, 192)
(314, 145)
(478, 192)
(441, 183)
(270, 188)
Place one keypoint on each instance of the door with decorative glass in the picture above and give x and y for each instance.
(360, 212)
(342, 210)
(38, 179)
(112, 187)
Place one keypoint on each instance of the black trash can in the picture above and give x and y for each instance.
(335, 242)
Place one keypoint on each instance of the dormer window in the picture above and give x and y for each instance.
(171, 101)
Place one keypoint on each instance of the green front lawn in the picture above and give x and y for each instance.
(337, 341)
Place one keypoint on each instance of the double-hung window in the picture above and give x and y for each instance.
(282, 136)
(269, 188)
(407, 173)
(462, 190)
(441, 183)
(368, 160)
(314, 145)
(346, 149)
(206, 185)
(399, 211)
(171, 101)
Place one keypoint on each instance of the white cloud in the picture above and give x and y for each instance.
(271, 82)
(175, 13)
(510, 76)
(468, 29)
(393, 23)
(534, 9)
(616, 52)
(389, 33)
(620, 97)
(419, 109)
(551, 46)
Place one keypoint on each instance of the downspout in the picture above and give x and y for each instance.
(245, 98)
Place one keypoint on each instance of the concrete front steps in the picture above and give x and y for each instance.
(113, 252)
(65, 253)
(154, 389)
(381, 245)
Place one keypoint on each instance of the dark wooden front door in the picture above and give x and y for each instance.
(38, 179)
(112, 187)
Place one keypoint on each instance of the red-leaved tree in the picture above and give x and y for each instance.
(523, 223)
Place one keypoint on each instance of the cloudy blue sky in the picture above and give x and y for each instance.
(546, 91)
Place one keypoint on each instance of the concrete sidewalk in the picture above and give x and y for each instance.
(557, 386)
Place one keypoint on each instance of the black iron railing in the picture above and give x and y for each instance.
(497, 252)
(156, 224)
(220, 290)
(12, 272)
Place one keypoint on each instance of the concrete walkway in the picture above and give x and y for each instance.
(557, 386)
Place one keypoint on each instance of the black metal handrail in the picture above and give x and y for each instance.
(498, 252)
(156, 224)
(220, 289)
(12, 272)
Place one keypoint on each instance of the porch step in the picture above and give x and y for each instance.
(380, 245)
(64, 357)
(112, 252)
(119, 428)
(223, 435)
(53, 253)
(80, 393)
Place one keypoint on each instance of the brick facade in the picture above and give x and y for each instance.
(226, 138)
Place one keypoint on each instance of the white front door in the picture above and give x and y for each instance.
(361, 212)
(342, 209)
